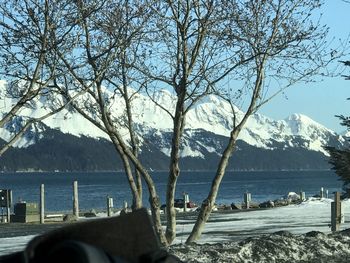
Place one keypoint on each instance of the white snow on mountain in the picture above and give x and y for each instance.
(149, 114)
(346, 134)
(296, 125)
(213, 115)
(210, 114)
(73, 124)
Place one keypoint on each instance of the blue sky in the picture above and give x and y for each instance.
(324, 99)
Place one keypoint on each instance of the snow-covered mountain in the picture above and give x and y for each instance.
(208, 125)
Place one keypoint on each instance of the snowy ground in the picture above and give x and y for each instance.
(12, 244)
(230, 230)
(313, 214)
(278, 247)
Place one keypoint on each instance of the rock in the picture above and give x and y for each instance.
(91, 213)
(281, 202)
(283, 233)
(292, 196)
(70, 218)
(251, 205)
(267, 204)
(315, 234)
(236, 206)
(224, 207)
(345, 232)
(126, 211)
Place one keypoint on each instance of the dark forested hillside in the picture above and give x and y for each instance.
(65, 152)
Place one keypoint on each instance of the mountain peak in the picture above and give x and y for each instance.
(299, 117)
(301, 124)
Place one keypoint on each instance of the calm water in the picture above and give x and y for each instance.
(94, 187)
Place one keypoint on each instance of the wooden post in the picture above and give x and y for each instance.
(322, 192)
(247, 199)
(186, 199)
(75, 199)
(109, 205)
(8, 205)
(342, 213)
(336, 212)
(42, 204)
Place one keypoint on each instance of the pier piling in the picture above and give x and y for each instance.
(42, 204)
(247, 199)
(75, 199)
(109, 205)
(336, 217)
(186, 199)
(322, 192)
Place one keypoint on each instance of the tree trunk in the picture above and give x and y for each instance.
(155, 210)
(174, 170)
(208, 203)
(133, 138)
(136, 153)
(154, 199)
(136, 200)
(154, 202)
(139, 184)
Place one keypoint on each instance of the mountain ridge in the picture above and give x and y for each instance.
(208, 125)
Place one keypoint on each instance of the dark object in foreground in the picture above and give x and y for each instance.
(124, 239)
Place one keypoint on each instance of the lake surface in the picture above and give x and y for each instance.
(95, 186)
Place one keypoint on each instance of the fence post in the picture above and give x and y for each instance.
(247, 199)
(322, 192)
(336, 212)
(8, 205)
(109, 205)
(186, 199)
(42, 204)
(75, 199)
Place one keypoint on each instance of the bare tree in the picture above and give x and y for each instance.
(193, 47)
(98, 63)
(190, 55)
(289, 46)
(88, 60)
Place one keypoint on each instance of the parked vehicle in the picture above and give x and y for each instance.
(179, 203)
